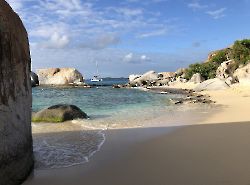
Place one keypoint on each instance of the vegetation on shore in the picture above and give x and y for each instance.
(239, 52)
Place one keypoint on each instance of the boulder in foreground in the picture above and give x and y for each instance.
(60, 76)
(34, 79)
(59, 113)
(211, 84)
(16, 151)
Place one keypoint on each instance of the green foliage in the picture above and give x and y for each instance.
(219, 57)
(241, 52)
(207, 70)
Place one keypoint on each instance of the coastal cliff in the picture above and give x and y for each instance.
(16, 151)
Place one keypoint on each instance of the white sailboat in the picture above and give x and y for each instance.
(96, 78)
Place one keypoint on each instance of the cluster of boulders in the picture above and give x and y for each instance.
(151, 78)
(226, 75)
(56, 76)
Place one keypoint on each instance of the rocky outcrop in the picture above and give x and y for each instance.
(212, 84)
(242, 74)
(197, 78)
(180, 72)
(147, 78)
(166, 75)
(16, 152)
(60, 76)
(34, 79)
(59, 113)
(226, 69)
(133, 77)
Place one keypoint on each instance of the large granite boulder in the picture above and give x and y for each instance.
(166, 75)
(242, 74)
(211, 84)
(34, 79)
(226, 69)
(133, 77)
(16, 152)
(197, 78)
(162, 82)
(60, 76)
(146, 79)
(180, 71)
(59, 113)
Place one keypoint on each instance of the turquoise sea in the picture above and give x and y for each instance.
(71, 143)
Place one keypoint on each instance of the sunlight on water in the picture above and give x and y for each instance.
(71, 143)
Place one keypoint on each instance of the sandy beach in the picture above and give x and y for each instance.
(235, 103)
(214, 151)
(202, 154)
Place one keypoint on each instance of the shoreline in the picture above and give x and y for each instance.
(132, 156)
(128, 154)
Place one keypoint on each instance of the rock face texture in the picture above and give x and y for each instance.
(145, 79)
(243, 73)
(16, 152)
(226, 69)
(212, 84)
(60, 76)
(59, 113)
(34, 79)
(197, 78)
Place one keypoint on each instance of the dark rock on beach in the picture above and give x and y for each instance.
(34, 79)
(192, 98)
(59, 113)
(16, 151)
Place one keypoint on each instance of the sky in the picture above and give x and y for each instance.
(129, 36)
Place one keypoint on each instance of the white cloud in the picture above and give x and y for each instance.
(129, 57)
(129, 12)
(153, 33)
(101, 41)
(216, 14)
(135, 58)
(56, 41)
(196, 6)
(145, 58)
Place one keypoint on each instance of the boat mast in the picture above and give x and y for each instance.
(97, 70)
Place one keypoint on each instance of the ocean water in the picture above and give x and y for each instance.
(71, 143)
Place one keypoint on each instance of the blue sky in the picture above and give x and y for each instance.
(130, 36)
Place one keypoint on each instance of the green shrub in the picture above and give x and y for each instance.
(241, 52)
(207, 70)
(219, 57)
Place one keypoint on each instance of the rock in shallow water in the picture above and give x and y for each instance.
(59, 113)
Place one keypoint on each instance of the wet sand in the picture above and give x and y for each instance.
(211, 154)
(214, 152)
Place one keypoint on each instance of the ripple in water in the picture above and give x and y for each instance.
(68, 144)
(67, 148)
